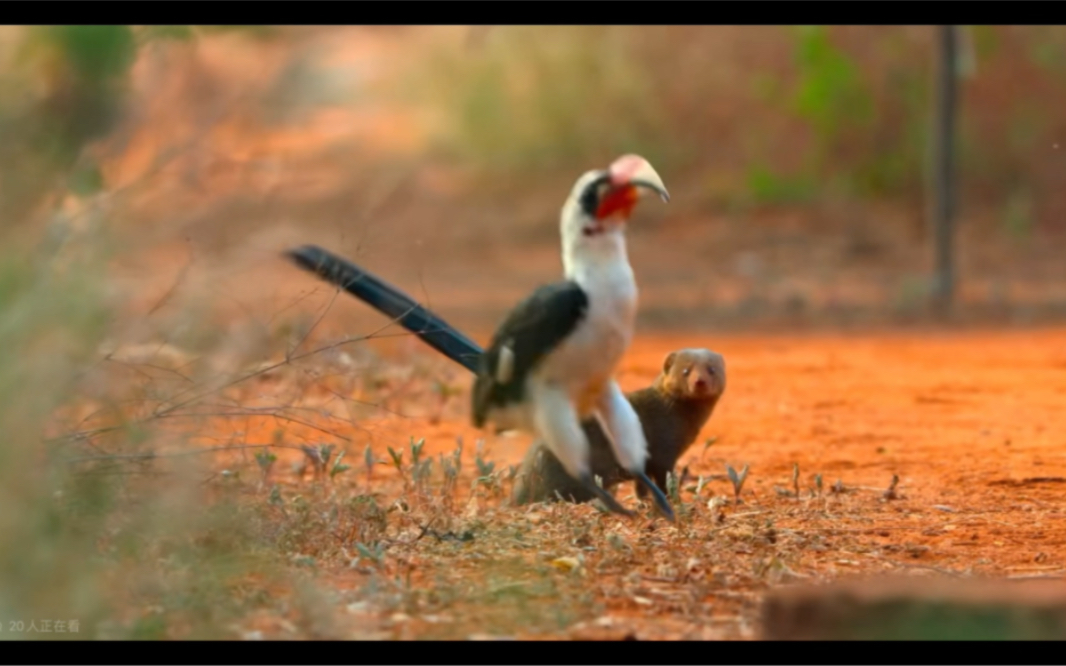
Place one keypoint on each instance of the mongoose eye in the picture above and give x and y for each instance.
(686, 371)
(710, 370)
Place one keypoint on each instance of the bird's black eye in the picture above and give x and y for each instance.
(590, 198)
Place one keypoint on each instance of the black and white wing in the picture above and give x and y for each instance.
(527, 336)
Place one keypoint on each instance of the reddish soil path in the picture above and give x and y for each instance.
(970, 422)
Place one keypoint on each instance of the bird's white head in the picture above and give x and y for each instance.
(594, 216)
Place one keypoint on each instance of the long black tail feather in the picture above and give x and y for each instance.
(390, 301)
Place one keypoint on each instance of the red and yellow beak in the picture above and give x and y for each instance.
(628, 175)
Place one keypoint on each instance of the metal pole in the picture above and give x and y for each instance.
(943, 167)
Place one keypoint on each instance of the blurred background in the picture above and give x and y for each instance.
(798, 159)
(151, 176)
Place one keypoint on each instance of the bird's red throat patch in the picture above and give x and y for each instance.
(618, 201)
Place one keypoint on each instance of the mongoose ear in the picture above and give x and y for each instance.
(669, 361)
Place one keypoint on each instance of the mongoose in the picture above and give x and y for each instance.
(672, 411)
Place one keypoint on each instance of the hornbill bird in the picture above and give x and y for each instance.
(550, 363)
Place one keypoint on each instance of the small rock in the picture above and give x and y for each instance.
(566, 563)
(358, 607)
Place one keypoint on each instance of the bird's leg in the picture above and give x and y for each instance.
(556, 420)
(626, 435)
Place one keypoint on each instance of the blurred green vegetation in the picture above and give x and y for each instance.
(79, 542)
(851, 106)
(52, 322)
(63, 88)
(88, 542)
(844, 112)
(536, 99)
(856, 150)
(830, 92)
(89, 534)
(767, 187)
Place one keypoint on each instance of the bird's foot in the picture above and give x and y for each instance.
(661, 503)
(607, 498)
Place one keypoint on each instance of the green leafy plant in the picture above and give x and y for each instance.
(416, 449)
(374, 552)
(265, 460)
(737, 480)
(338, 467)
(397, 459)
(484, 467)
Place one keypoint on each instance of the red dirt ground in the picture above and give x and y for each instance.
(970, 423)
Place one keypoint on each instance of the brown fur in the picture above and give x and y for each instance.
(672, 412)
